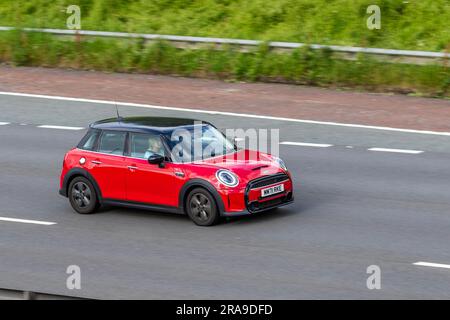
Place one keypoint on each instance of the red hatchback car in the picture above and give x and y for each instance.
(171, 165)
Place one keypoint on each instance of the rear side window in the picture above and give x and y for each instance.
(89, 141)
(112, 142)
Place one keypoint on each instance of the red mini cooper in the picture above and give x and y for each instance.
(171, 165)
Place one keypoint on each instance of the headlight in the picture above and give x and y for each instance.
(281, 164)
(227, 178)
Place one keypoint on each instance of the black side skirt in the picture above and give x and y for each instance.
(143, 206)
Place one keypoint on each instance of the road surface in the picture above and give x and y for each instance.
(354, 207)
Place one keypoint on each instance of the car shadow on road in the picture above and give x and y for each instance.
(301, 206)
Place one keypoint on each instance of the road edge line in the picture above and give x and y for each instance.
(139, 105)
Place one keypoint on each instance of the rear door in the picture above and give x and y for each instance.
(108, 165)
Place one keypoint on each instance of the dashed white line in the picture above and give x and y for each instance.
(290, 143)
(45, 223)
(396, 150)
(305, 144)
(60, 127)
(433, 265)
(139, 105)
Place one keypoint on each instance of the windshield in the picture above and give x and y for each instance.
(198, 142)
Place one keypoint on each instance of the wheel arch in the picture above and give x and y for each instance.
(199, 183)
(79, 172)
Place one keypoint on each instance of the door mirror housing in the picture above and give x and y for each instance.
(156, 159)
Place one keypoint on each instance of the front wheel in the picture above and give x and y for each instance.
(202, 208)
(82, 196)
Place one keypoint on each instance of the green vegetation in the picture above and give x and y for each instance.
(303, 66)
(413, 24)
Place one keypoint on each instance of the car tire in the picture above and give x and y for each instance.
(202, 208)
(82, 196)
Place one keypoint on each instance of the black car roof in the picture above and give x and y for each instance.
(145, 124)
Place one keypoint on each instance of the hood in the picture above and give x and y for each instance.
(247, 164)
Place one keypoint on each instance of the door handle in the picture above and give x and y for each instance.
(131, 168)
(96, 162)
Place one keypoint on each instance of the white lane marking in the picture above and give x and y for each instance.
(60, 127)
(139, 105)
(304, 144)
(433, 265)
(396, 150)
(4, 123)
(45, 223)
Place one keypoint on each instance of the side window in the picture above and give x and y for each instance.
(89, 140)
(112, 142)
(145, 145)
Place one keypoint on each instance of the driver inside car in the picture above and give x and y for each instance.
(154, 147)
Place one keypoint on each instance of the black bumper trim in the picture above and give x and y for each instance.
(235, 214)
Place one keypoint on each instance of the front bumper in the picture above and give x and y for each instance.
(254, 203)
(235, 213)
(246, 212)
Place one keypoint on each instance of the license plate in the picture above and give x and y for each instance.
(272, 190)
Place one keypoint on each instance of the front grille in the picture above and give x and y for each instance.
(265, 181)
(256, 206)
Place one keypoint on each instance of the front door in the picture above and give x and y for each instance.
(149, 183)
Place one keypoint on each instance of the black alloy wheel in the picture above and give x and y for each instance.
(82, 196)
(202, 208)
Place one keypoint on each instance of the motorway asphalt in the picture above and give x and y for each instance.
(354, 208)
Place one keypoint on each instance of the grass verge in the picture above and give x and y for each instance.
(302, 66)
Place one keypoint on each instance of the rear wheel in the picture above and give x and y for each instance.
(202, 208)
(82, 196)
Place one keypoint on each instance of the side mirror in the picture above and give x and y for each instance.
(156, 159)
